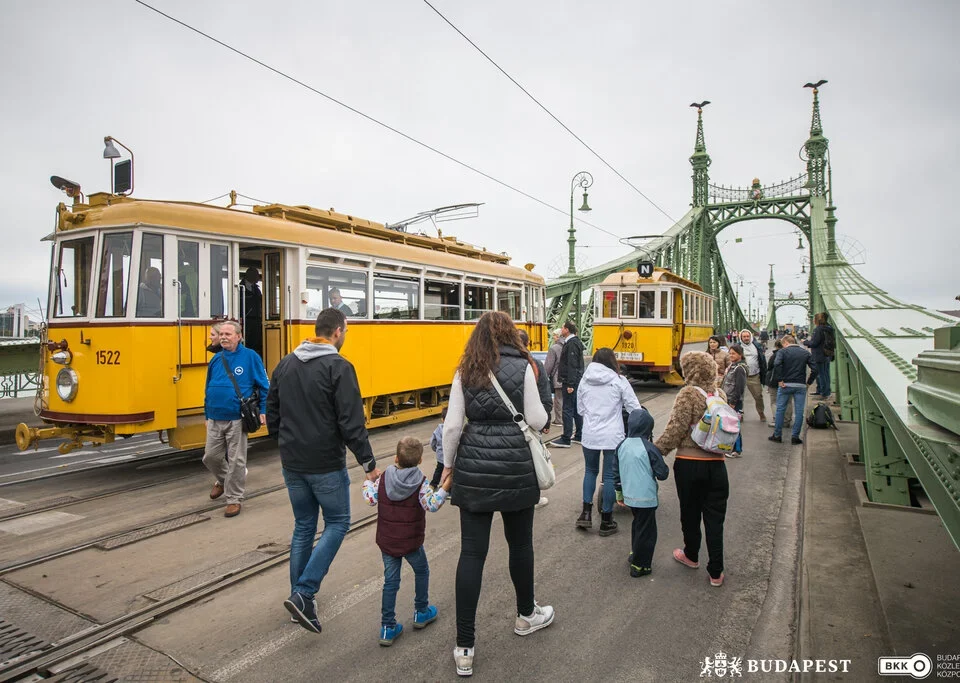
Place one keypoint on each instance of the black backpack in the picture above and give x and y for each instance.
(829, 343)
(821, 417)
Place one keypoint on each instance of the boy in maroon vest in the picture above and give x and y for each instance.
(404, 496)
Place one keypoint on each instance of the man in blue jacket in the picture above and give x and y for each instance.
(225, 453)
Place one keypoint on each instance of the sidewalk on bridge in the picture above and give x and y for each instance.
(876, 580)
(13, 411)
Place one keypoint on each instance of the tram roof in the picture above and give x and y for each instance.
(302, 225)
(630, 278)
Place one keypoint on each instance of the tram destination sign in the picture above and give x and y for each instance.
(645, 268)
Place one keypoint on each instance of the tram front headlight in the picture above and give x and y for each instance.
(64, 357)
(67, 382)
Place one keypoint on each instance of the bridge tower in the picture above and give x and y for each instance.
(771, 305)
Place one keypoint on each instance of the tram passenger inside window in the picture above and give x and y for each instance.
(251, 303)
(150, 294)
(336, 301)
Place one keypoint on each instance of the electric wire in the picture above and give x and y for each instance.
(367, 116)
(550, 113)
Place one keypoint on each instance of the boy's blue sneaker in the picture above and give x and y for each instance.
(388, 634)
(427, 616)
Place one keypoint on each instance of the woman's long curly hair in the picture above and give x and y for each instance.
(482, 354)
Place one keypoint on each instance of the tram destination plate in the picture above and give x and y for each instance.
(628, 355)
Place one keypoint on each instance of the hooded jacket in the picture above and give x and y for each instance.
(699, 370)
(602, 397)
(639, 462)
(401, 522)
(761, 355)
(315, 410)
(571, 362)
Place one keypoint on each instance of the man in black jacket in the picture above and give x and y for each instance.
(315, 410)
(569, 374)
(791, 363)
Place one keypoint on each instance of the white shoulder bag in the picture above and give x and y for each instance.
(546, 476)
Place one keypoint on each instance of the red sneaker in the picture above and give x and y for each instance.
(682, 558)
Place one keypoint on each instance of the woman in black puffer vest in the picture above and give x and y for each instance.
(488, 457)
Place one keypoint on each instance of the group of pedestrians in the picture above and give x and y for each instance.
(312, 405)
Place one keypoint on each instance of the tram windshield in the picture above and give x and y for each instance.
(72, 289)
(114, 275)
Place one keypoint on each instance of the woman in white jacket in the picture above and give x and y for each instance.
(602, 397)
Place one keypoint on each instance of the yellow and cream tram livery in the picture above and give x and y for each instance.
(650, 322)
(136, 285)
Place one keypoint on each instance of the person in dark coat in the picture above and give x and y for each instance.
(822, 345)
(570, 373)
(488, 457)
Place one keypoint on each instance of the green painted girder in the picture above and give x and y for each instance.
(795, 209)
(19, 356)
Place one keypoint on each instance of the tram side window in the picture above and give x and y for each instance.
(508, 301)
(477, 301)
(396, 298)
(150, 291)
(628, 304)
(114, 275)
(441, 300)
(686, 307)
(188, 269)
(219, 280)
(609, 304)
(665, 305)
(73, 278)
(345, 290)
(648, 306)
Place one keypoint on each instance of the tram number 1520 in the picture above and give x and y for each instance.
(108, 358)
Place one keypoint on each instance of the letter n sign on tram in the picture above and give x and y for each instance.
(645, 269)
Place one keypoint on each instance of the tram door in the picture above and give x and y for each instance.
(677, 323)
(273, 310)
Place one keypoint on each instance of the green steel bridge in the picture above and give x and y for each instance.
(897, 367)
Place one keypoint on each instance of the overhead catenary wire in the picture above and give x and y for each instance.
(346, 106)
(550, 113)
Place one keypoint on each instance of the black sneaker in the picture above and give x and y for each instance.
(304, 610)
(576, 439)
(796, 440)
(560, 442)
(636, 572)
(775, 438)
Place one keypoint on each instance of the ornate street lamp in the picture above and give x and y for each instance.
(584, 180)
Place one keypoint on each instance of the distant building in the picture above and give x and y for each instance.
(14, 322)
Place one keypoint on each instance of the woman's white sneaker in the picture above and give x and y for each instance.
(541, 618)
(463, 656)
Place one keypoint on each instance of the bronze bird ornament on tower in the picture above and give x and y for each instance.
(700, 105)
(815, 85)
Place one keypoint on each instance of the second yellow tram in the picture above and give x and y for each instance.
(650, 322)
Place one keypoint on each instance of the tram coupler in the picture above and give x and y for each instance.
(31, 436)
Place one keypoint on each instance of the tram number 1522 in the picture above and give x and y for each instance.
(108, 358)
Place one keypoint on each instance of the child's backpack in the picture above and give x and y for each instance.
(718, 429)
(821, 417)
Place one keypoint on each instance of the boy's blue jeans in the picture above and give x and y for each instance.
(391, 584)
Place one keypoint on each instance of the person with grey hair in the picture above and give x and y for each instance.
(225, 453)
(552, 367)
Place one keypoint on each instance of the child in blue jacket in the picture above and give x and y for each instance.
(639, 461)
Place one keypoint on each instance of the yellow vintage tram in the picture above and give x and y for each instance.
(650, 322)
(135, 286)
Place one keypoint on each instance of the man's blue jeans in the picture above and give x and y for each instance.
(309, 495)
(591, 469)
(799, 395)
(823, 378)
(572, 420)
(391, 584)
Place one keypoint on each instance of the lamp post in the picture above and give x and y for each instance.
(110, 152)
(584, 180)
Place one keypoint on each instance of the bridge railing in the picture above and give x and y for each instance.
(908, 428)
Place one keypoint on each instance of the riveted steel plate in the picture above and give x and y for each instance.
(36, 616)
(231, 566)
(151, 531)
(15, 642)
(136, 663)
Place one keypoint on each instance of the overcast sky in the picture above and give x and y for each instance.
(203, 120)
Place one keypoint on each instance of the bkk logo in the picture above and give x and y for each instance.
(918, 666)
(719, 666)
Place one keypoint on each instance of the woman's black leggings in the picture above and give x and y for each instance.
(474, 542)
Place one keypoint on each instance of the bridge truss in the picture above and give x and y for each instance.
(897, 366)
